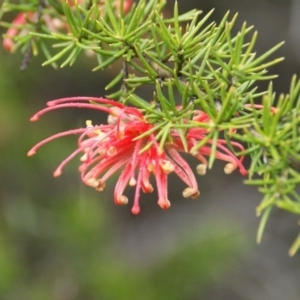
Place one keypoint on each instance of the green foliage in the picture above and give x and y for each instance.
(191, 65)
(274, 148)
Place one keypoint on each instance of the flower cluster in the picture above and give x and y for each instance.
(128, 141)
(23, 22)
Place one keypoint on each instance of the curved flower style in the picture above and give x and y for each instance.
(129, 142)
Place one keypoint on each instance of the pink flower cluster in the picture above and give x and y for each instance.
(128, 142)
(53, 24)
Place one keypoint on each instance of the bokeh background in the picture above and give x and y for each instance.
(60, 240)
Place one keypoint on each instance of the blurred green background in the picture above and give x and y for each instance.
(60, 240)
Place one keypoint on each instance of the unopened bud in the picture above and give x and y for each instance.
(147, 188)
(84, 157)
(121, 200)
(194, 151)
(101, 186)
(164, 203)
(132, 182)
(93, 182)
(229, 168)
(88, 123)
(189, 192)
(201, 169)
(168, 167)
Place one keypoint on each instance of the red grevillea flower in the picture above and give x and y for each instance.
(128, 142)
(13, 31)
(17, 28)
